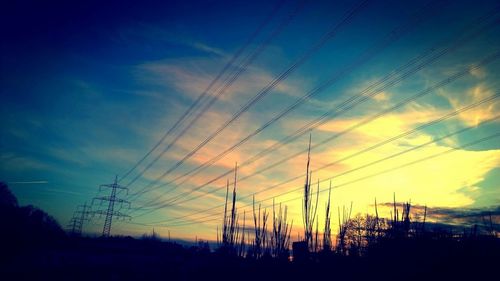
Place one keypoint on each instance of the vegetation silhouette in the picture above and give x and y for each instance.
(26, 229)
(404, 246)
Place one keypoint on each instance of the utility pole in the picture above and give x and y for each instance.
(79, 216)
(110, 212)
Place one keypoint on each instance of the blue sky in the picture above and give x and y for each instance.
(87, 88)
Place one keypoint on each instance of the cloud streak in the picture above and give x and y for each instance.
(28, 182)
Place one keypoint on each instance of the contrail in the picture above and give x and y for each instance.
(27, 182)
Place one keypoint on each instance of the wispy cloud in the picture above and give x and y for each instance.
(191, 76)
(155, 33)
(14, 162)
(474, 94)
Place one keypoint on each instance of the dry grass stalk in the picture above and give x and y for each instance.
(309, 209)
(280, 240)
(230, 227)
(327, 232)
(259, 246)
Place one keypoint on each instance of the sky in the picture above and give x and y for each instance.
(401, 98)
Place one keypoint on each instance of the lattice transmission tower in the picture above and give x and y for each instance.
(112, 200)
(81, 215)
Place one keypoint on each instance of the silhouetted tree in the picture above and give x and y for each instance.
(25, 228)
(7, 199)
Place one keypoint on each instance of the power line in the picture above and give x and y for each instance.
(426, 125)
(368, 54)
(346, 172)
(239, 71)
(453, 149)
(204, 93)
(271, 85)
(368, 119)
(423, 126)
(362, 97)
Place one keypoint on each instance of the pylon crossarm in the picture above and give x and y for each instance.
(103, 198)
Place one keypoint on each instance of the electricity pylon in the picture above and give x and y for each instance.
(81, 215)
(74, 225)
(110, 212)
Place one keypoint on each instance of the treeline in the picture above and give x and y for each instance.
(25, 228)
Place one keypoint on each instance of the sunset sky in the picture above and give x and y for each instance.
(87, 89)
